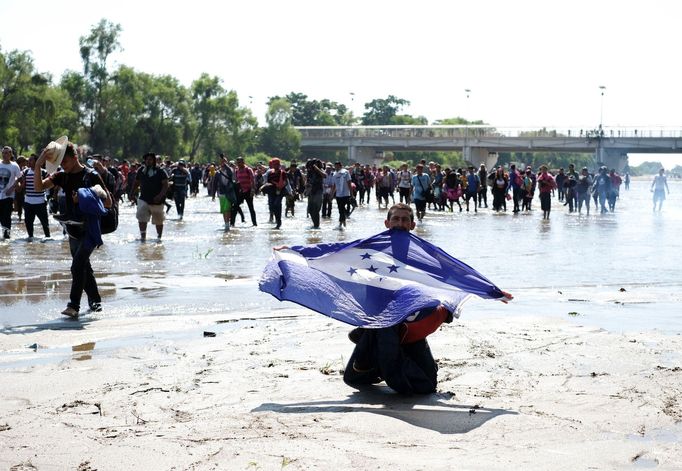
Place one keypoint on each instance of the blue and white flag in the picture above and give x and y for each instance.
(374, 282)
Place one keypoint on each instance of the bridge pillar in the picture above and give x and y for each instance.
(614, 158)
(364, 155)
(478, 155)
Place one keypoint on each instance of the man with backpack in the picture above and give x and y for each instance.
(71, 179)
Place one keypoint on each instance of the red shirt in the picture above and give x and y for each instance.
(414, 331)
(549, 185)
(244, 178)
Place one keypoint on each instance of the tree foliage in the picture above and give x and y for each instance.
(305, 112)
(280, 138)
(383, 111)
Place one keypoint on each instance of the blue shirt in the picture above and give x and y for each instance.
(419, 185)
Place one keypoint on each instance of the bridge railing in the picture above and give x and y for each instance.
(479, 131)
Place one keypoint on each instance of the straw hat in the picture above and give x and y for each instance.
(55, 154)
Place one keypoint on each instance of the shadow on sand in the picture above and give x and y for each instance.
(58, 324)
(429, 412)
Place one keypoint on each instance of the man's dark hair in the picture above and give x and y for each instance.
(398, 206)
(148, 154)
(70, 151)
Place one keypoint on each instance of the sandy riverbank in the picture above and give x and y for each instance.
(522, 393)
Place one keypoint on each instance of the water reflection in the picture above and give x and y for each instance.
(83, 351)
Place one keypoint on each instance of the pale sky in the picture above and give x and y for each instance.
(527, 63)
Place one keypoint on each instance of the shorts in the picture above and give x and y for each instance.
(145, 211)
(225, 204)
(420, 205)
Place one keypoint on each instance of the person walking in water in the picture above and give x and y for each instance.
(153, 184)
(546, 184)
(601, 188)
(582, 190)
(659, 187)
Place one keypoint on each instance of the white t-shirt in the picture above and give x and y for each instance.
(404, 179)
(659, 183)
(340, 180)
(8, 175)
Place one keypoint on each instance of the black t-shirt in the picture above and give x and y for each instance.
(451, 180)
(70, 183)
(315, 181)
(151, 181)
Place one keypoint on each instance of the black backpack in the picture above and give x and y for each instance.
(109, 221)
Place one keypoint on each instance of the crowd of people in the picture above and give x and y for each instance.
(36, 186)
(155, 184)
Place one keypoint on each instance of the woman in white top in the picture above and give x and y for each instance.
(35, 203)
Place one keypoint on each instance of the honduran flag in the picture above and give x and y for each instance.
(374, 282)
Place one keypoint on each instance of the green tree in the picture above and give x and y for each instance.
(18, 83)
(95, 50)
(280, 138)
(457, 121)
(159, 118)
(305, 112)
(381, 111)
(32, 110)
(217, 123)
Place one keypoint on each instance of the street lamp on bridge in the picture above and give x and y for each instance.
(601, 106)
(468, 110)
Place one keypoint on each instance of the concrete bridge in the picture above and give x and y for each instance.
(480, 144)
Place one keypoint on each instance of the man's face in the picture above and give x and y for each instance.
(6, 155)
(240, 164)
(337, 167)
(150, 161)
(68, 163)
(400, 219)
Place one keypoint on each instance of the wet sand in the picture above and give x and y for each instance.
(582, 371)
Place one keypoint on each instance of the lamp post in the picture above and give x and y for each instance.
(466, 150)
(467, 91)
(600, 149)
(601, 105)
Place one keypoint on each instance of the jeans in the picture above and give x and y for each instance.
(517, 194)
(327, 206)
(83, 278)
(275, 206)
(6, 208)
(33, 210)
(179, 195)
(602, 201)
(314, 205)
(241, 197)
(342, 205)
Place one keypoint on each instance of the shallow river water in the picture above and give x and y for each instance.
(619, 271)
